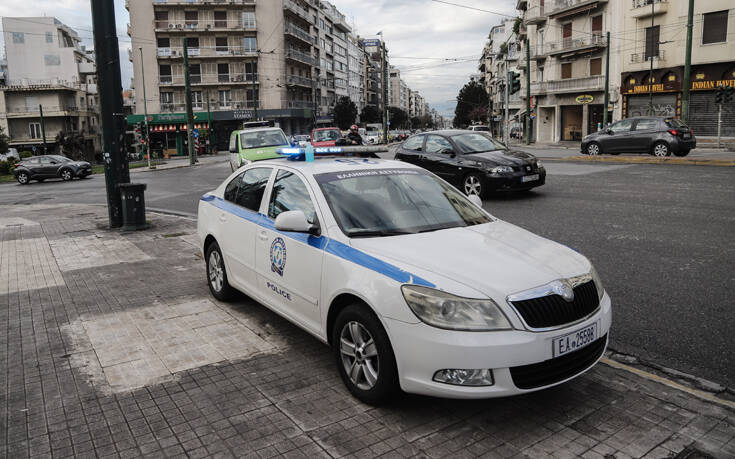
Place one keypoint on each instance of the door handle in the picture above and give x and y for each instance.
(222, 217)
(262, 235)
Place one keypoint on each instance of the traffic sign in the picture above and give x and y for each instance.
(388, 122)
(195, 133)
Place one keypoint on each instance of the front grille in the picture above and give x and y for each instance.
(558, 369)
(553, 310)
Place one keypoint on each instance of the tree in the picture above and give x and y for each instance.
(415, 122)
(371, 114)
(71, 145)
(472, 103)
(345, 113)
(398, 117)
(4, 142)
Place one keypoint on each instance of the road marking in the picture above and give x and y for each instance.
(667, 382)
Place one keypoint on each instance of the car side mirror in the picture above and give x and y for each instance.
(295, 221)
(609, 131)
(233, 149)
(476, 200)
(448, 151)
(54, 162)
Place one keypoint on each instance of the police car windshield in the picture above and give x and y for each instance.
(260, 139)
(387, 202)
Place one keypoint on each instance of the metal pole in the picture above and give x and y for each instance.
(650, 74)
(107, 56)
(719, 125)
(506, 122)
(687, 66)
(145, 109)
(607, 82)
(385, 94)
(43, 128)
(528, 94)
(189, 111)
(256, 96)
(209, 123)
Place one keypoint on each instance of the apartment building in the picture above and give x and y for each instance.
(399, 90)
(356, 71)
(332, 50)
(374, 72)
(656, 30)
(47, 69)
(567, 48)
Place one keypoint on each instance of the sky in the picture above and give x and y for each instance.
(436, 46)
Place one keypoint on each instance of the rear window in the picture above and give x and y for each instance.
(327, 135)
(675, 123)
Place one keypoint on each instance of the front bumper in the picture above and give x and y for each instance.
(421, 350)
(83, 172)
(513, 182)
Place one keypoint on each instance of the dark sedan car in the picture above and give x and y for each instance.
(473, 161)
(658, 136)
(50, 166)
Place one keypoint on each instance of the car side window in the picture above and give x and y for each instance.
(414, 143)
(646, 125)
(622, 126)
(34, 161)
(290, 193)
(437, 144)
(45, 160)
(247, 189)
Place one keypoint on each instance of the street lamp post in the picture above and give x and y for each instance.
(145, 109)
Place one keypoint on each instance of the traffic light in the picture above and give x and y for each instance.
(719, 95)
(728, 94)
(515, 82)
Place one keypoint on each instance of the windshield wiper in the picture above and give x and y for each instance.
(369, 232)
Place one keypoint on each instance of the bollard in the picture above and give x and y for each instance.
(133, 206)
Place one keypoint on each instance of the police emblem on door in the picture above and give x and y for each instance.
(278, 256)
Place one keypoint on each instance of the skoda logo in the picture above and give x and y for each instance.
(564, 290)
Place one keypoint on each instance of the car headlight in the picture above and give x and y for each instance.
(539, 164)
(444, 310)
(598, 283)
(501, 170)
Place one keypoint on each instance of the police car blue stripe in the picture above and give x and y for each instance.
(333, 247)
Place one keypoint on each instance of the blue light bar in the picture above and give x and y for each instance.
(302, 154)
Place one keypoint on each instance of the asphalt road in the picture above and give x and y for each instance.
(660, 236)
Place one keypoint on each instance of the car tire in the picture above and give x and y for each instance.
(472, 184)
(682, 153)
(23, 178)
(66, 174)
(594, 149)
(661, 149)
(217, 274)
(369, 372)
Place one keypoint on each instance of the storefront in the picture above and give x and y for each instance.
(662, 96)
(568, 116)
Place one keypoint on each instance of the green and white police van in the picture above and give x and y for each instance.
(256, 141)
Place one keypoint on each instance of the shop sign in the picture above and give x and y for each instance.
(243, 114)
(712, 84)
(585, 99)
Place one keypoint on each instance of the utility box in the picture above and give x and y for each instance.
(133, 206)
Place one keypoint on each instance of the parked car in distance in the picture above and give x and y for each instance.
(655, 135)
(473, 161)
(478, 128)
(50, 166)
(302, 140)
(325, 137)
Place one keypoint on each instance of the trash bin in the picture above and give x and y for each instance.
(133, 206)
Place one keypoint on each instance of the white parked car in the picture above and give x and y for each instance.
(413, 284)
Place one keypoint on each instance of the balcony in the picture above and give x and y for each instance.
(208, 3)
(300, 56)
(589, 83)
(535, 15)
(214, 25)
(567, 8)
(210, 79)
(297, 104)
(23, 111)
(522, 5)
(296, 32)
(206, 52)
(294, 8)
(642, 8)
(296, 80)
(637, 58)
(574, 45)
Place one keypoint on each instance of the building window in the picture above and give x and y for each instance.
(596, 66)
(192, 46)
(223, 73)
(19, 38)
(164, 46)
(541, 74)
(161, 19)
(195, 73)
(652, 41)
(566, 70)
(167, 101)
(34, 130)
(248, 20)
(220, 44)
(714, 27)
(220, 19)
(251, 71)
(49, 37)
(196, 100)
(191, 19)
(597, 25)
(164, 73)
(250, 44)
(225, 98)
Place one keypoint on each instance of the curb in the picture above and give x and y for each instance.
(645, 160)
(144, 169)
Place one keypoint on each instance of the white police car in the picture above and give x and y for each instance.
(412, 284)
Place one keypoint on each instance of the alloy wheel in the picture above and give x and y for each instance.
(472, 185)
(660, 150)
(216, 272)
(66, 174)
(22, 178)
(593, 149)
(359, 355)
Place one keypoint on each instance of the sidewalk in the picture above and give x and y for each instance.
(182, 161)
(111, 345)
